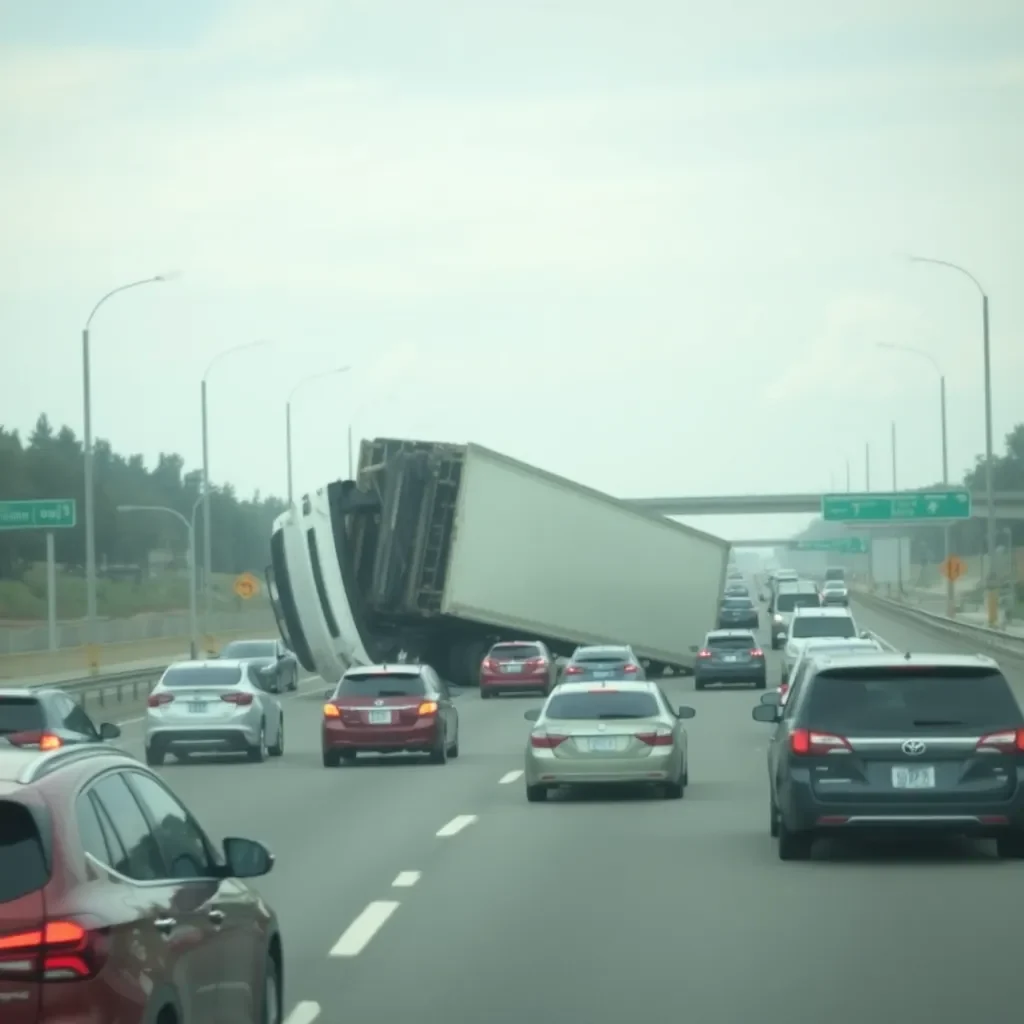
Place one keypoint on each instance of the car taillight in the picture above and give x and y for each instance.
(489, 665)
(783, 688)
(428, 707)
(59, 951)
(42, 740)
(629, 669)
(1007, 741)
(332, 711)
(156, 700)
(757, 653)
(659, 738)
(546, 740)
(810, 743)
(704, 653)
(537, 664)
(241, 699)
(573, 670)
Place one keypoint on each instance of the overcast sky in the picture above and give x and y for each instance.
(652, 246)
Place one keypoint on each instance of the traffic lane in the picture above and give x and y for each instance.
(594, 908)
(338, 834)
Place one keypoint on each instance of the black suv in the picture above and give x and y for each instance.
(48, 719)
(884, 742)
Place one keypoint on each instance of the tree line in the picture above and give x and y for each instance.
(49, 463)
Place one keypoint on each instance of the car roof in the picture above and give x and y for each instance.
(604, 649)
(822, 612)
(194, 666)
(625, 685)
(895, 659)
(14, 691)
(252, 640)
(518, 643)
(813, 643)
(724, 634)
(21, 766)
(402, 668)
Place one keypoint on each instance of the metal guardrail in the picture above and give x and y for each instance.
(995, 639)
(116, 690)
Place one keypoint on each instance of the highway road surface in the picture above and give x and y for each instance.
(409, 891)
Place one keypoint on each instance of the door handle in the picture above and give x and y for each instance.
(216, 916)
(165, 924)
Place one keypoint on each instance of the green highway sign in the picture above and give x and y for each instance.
(840, 545)
(880, 508)
(45, 514)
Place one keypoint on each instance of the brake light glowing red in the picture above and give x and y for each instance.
(810, 743)
(1006, 741)
(659, 738)
(537, 664)
(156, 700)
(629, 669)
(240, 698)
(43, 740)
(546, 740)
(573, 670)
(59, 951)
(704, 653)
(489, 665)
(757, 653)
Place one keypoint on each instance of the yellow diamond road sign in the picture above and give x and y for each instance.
(247, 586)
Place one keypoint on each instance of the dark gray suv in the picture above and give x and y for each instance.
(889, 742)
(602, 663)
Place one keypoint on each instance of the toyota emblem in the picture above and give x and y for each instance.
(913, 747)
(377, 704)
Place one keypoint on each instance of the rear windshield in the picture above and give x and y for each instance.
(20, 714)
(835, 574)
(208, 675)
(732, 643)
(603, 704)
(515, 652)
(823, 625)
(787, 602)
(250, 649)
(381, 684)
(602, 656)
(737, 602)
(853, 699)
(23, 867)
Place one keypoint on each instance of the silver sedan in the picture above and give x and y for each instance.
(212, 707)
(601, 733)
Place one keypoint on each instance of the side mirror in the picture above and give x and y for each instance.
(532, 716)
(765, 713)
(247, 858)
(109, 731)
(773, 698)
(685, 711)
(865, 635)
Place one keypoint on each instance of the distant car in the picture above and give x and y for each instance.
(815, 623)
(596, 734)
(517, 667)
(603, 663)
(738, 613)
(116, 906)
(896, 743)
(212, 707)
(836, 574)
(835, 592)
(734, 589)
(389, 709)
(272, 660)
(788, 596)
(48, 719)
(730, 656)
(831, 647)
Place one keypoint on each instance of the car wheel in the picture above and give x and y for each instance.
(258, 753)
(794, 845)
(674, 790)
(293, 683)
(536, 794)
(773, 820)
(273, 1008)
(332, 758)
(453, 750)
(699, 684)
(278, 748)
(440, 754)
(154, 757)
(1010, 845)
(762, 683)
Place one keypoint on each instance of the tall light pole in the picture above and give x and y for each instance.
(190, 527)
(948, 531)
(90, 509)
(207, 516)
(871, 539)
(991, 583)
(899, 538)
(288, 416)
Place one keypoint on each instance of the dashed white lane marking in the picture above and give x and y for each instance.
(456, 825)
(357, 935)
(406, 879)
(510, 777)
(303, 1013)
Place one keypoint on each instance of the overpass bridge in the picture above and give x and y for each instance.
(1008, 504)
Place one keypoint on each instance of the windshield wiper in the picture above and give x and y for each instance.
(937, 721)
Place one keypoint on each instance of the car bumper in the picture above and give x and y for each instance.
(729, 674)
(512, 684)
(208, 737)
(599, 771)
(750, 622)
(381, 739)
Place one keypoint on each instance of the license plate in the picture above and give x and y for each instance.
(729, 657)
(512, 666)
(603, 745)
(380, 718)
(197, 705)
(603, 675)
(922, 777)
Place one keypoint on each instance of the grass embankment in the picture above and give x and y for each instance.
(24, 600)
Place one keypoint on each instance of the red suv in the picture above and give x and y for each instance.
(388, 709)
(115, 906)
(519, 667)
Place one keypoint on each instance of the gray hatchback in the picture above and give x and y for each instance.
(598, 664)
(730, 656)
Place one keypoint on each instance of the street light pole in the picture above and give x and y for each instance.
(288, 418)
(948, 529)
(207, 515)
(190, 527)
(991, 582)
(899, 538)
(90, 499)
(848, 488)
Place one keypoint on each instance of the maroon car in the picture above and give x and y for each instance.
(115, 906)
(518, 667)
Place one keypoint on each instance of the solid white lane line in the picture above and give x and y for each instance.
(456, 825)
(510, 777)
(406, 879)
(304, 1013)
(357, 935)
